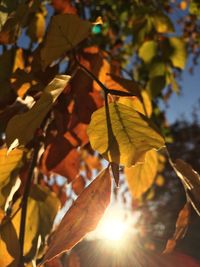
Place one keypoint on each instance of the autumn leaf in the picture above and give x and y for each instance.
(8, 166)
(9, 245)
(42, 208)
(119, 86)
(21, 128)
(64, 33)
(148, 51)
(162, 23)
(141, 176)
(78, 184)
(181, 228)
(82, 217)
(191, 181)
(142, 104)
(134, 135)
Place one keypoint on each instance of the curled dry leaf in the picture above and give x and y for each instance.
(191, 181)
(82, 217)
(181, 228)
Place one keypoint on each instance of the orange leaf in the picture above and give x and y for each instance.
(181, 228)
(78, 184)
(62, 158)
(82, 217)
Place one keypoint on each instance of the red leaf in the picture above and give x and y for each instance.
(62, 158)
(78, 184)
(82, 217)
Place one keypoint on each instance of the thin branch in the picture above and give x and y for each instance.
(25, 203)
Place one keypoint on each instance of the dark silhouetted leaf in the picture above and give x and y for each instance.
(64, 33)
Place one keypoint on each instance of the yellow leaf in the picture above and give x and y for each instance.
(9, 246)
(125, 136)
(141, 176)
(8, 163)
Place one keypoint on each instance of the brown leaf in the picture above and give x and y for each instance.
(73, 260)
(181, 228)
(120, 84)
(78, 184)
(61, 157)
(83, 216)
(191, 181)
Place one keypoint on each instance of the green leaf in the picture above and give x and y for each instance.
(156, 85)
(162, 23)
(125, 136)
(148, 51)
(42, 208)
(9, 245)
(64, 33)
(141, 176)
(174, 49)
(21, 128)
(8, 165)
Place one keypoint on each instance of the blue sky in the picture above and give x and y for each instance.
(184, 103)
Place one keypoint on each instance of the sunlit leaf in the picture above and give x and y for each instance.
(141, 176)
(23, 126)
(64, 33)
(145, 108)
(82, 217)
(191, 182)
(9, 245)
(148, 51)
(174, 49)
(8, 165)
(132, 134)
(162, 23)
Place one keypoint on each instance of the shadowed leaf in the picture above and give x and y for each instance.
(64, 33)
(22, 127)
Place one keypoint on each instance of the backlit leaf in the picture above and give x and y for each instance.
(148, 51)
(162, 23)
(36, 27)
(8, 164)
(22, 127)
(132, 134)
(141, 176)
(82, 217)
(64, 33)
(174, 49)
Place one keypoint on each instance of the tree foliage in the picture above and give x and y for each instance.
(80, 83)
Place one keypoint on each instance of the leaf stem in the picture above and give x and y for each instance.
(25, 203)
